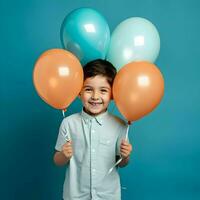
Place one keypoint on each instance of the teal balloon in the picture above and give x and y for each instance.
(135, 39)
(86, 34)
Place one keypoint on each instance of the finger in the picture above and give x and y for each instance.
(125, 152)
(124, 142)
(67, 144)
(125, 147)
(69, 152)
(124, 155)
(67, 149)
(68, 155)
(129, 146)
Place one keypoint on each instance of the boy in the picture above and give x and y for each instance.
(96, 138)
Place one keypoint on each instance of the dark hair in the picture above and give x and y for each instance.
(100, 67)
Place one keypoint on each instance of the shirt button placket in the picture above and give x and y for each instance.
(93, 159)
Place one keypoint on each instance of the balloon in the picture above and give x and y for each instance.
(86, 34)
(137, 89)
(135, 39)
(58, 77)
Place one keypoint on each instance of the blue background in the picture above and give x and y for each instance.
(166, 159)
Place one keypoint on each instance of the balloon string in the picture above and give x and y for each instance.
(126, 138)
(127, 132)
(67, 138)
(63, 112)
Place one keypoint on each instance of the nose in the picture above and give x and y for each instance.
(95, 95)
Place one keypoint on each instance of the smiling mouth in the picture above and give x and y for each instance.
(95, 103)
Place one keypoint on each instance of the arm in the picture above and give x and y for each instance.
(63, 157)
(60, 159)
(125, 151)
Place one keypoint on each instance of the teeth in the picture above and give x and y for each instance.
(94, 103)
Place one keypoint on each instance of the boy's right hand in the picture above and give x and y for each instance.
(67, 149)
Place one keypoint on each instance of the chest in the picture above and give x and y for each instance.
(99, 137)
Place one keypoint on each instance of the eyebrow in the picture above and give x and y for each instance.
(103, 87)
(87, 86)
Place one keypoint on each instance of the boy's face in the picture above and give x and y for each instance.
(96, 94)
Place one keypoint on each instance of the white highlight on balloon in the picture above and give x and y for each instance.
(63, 71)
(90, 28)
(139, 40)
(143, 81)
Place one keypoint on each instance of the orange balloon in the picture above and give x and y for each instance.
(58, 77)
(137, 89)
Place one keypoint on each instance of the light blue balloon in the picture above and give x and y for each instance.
(86, 34)
(135, 39)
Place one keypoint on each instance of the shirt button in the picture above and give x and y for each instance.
(93, 150)
(93, 131)
(93, 170)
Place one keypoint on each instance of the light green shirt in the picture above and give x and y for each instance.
(96, 142)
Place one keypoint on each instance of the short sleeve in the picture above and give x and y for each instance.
(63, 135)
(122, 135)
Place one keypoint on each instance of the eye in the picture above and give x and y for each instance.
(104, 90)
(88, 89)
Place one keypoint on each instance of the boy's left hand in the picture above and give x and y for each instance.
(125, 149)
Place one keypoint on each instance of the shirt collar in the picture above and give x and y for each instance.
(99, 118)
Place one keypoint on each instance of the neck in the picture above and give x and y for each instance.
(93, 114)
